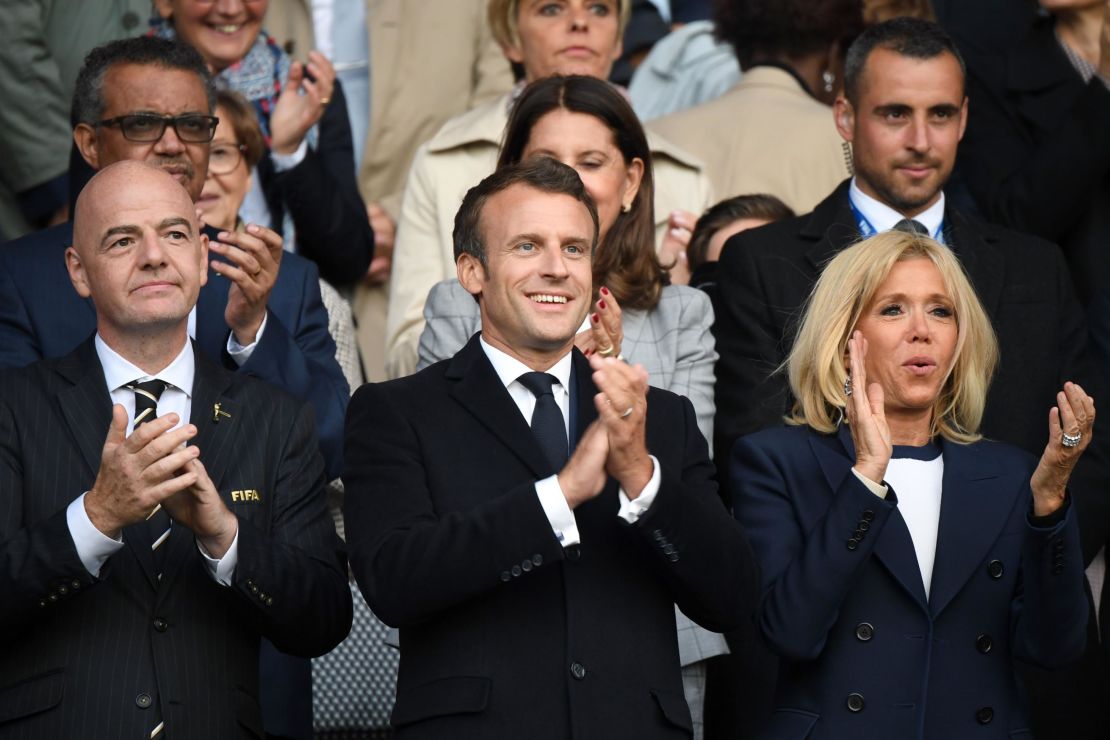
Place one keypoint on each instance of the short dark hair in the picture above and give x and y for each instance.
(88, 94)
(759, 30)
(759, 205)
(244, 122)
(626, 263)
(909, 37)
(542, 173)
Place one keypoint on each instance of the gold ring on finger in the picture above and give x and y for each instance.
(606, 351)
(325, 101)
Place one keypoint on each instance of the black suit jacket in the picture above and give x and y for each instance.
(503, 632)
(42, 316)
(1037, 151)
(87, 657)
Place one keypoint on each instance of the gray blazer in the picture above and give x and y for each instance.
(672, 342)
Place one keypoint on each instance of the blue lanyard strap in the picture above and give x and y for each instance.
(867, 229)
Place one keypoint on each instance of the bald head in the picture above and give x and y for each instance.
(137, 251)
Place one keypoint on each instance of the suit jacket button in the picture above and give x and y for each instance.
(657, 534)
(864, 631)
(578, 670)
(505, 576)
(53, 597)
(537, 560)
(868, 515)
(673, 557)
(984, 716)
(994, 568)
(142, 701)
(75, 584)
(269, 601)
(42, 602)
(864, 525)
(574, 552)
(526, 565)
(516, 571)
(63, 590)
(1057, 569)
(853, 543)
(855, 702)
(669, 549)
(160, 625)
(253, 589)
(858, 534)
(983, 644)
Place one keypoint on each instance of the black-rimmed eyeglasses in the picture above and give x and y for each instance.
(192, 128)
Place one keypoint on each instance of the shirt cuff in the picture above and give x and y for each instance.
(223, 569)
(557, 511)
(283, 162)
(241, 353)
(93, 546)
(632, 509)
(879, 489)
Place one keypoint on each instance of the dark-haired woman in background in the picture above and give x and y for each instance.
(587, 124)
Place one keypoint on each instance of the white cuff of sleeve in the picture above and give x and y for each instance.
(240, 352)
(223, 569)
(557, 511)
(93, 546)
(876, 488)
(283, 162)
(632, 509)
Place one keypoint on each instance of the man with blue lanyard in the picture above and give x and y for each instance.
(904, 109)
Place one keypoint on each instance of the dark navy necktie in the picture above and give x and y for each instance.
(547, 419)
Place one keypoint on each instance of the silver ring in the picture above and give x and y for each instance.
(627, 413)
(1071, 440)
(847, 386)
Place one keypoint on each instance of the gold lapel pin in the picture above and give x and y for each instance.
(217, 412)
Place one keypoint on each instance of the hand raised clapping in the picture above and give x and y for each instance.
(1070, 427)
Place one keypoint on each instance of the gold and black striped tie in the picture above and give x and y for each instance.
(146, 409)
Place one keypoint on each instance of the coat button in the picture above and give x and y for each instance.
(868, 515)
(578, 670)
(994, 568)
(864, 631)
(75, 584)
(673, 557)
(537, 560)
(516, 571)
(505, 576)
(983, 644)
(63, 590)
(984, 716)
(864, 525)
(526, 565)
(161, 625)
(857, 535)
(269, 601)
(855, 702)
(574, 552)
(853, 543)
(142, 701)
(669, 549)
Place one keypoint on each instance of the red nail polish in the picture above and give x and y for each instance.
(601, 304)
(604, 291)
(594, 317)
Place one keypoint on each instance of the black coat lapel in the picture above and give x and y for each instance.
(973, 512)
(216, 429)
(86, 404)
(894, 548)
(831, 227)
(980, 256)
(474, 384)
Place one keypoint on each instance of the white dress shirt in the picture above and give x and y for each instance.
(93, 546)
(883, 218)
(550, 494)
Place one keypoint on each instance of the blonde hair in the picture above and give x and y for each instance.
(815, 366)
(501, 15)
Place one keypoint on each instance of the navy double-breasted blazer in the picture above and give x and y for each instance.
(865, 652)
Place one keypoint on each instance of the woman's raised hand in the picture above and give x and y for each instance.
(866, 415)
(1070, 426)
(606, 333)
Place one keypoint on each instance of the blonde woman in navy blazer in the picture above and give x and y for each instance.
(899, 614)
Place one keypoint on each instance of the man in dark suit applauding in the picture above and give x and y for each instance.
(904, 110)
(532, 571)
(158, 513)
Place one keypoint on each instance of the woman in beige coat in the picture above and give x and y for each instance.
(540, 39)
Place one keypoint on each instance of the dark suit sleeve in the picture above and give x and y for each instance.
(750, 395)
(39, 565)
(701, 552)
(806, 574)
(410, 560)
(302, 361)
(291, 573)
(321, 194)
(18, 344)
(1051, 607)
(1035, 182)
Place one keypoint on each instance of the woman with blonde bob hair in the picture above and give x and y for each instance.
(907, 562)
(816, 368)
